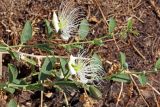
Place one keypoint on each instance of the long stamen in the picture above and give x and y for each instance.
(87, 71)
(70, 17)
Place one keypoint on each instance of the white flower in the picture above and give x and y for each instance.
(85, 69)
(68, 19)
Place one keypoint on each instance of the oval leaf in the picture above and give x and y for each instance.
(130, 24)
(47, 67)
(3, 48)
(122, 59)
(66, 84)
(157, 65)
(48, 28)
(30, 61)
(26, 32)
(34, 87)
(14, 55)
(98, 42)
(122, 77)
(13, 72)
(2, 85)
(12, 103)
(142, 79)
(95, 92)
(10, 90)
(83, 29)
(96, 59)
(112, 25)
(63, 65)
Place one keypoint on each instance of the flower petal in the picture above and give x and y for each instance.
(55, 22)
(72, 62)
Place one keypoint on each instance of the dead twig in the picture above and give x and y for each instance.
(155, 98)
(138, 52)
(1, 74)
(156, 8)
(139, 90)
(134, 47)
(120, 93)
(101, 11)
(137, 5)
(138, 18)
(153, 88)
(116, 43)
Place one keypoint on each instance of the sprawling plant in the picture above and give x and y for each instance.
(76, 71)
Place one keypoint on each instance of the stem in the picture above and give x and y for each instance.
(74, 43)
(1, 72)
(20, 86)
(40, 56)
(144, 72)
(154, 89)
(36, 45)
(33, 74)
(41, 95)
(66, 100)
(28, 46)
(36, 56)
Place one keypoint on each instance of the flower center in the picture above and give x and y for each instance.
(77, 67)
(62, 23)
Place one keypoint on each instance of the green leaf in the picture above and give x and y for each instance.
(123, 34)
(2, 85)
(112, 25)
(3, 48)
(66, 83)
(16, 81)
(70, 47)
(130, 24)
(45, 47)
(12, 103)
(142, 79)
(36, 87)
(63, 65)
(83, 29)
(48, 28)
(30, 61)
(134, 32)
(96, 59)
(13, 72)
(14, 55)
(157, 65)
(59, 74)
(10, 90)
(95, 92)
(26, 32)
(120, 77)
(47, 67)
(122, 59)
(98, 42)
